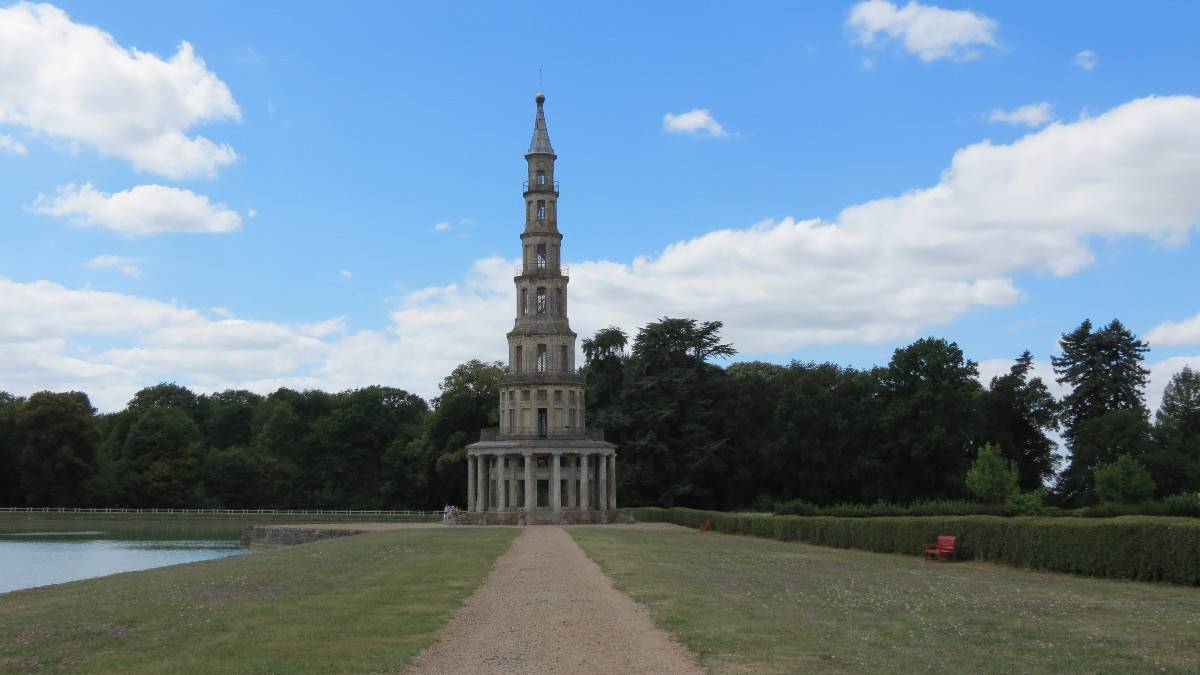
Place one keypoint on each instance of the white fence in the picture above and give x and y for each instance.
(282, 512)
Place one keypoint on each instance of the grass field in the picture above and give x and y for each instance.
(746, 604)
(363, 603)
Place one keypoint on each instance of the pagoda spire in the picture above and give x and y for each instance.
(540, 144)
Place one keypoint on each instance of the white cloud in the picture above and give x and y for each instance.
(75, 82)
(1173, 333)
(697, 122)
(126, 266)
(932, 33)
(889, 269)
(345, 274)
(143, 210)
(149, 341)
(1031, 115)
(442, 226)
(11, 146)
(251, 214)
(1085, 59)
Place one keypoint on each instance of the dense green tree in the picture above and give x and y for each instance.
(605, 362)
(1174, 460)
(346, 447)
(931, 417)
(826, 422)
(673, 451)
(992, 478)
(1123, 481)
(245, 478)
(468, 402)
(1018, 413)
(56, 439)
(1104, 370)
(748, 415)
(10, 474)
(229, 418)
(159, 465)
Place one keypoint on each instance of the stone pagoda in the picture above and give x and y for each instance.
(543, 461)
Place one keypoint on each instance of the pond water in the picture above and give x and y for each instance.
(37, 553)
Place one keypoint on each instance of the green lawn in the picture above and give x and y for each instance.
(748, 604)
(363, 603)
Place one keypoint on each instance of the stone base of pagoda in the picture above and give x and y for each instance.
(544, 517)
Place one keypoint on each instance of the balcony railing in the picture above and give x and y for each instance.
(526, 186)
(543, 377)
(526, 433)
(542, 270)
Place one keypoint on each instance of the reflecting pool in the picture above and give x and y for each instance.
(37, 553)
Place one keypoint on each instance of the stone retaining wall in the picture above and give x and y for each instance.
(266, 535)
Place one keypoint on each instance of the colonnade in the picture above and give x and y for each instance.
(499, 481)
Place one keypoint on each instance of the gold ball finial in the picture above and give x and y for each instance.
(540, 98)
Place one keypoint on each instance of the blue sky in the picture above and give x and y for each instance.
(839, 180)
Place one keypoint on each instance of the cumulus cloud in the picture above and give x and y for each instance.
(345, 274)
(888, 269)
(75, 82)
(1174, 333)
(442, 226)
(932, 33)
(108, 261)
(147, 341)
(1031, 115)
(1085, 59)
(139, 211)
(11, 146)
(697, 122)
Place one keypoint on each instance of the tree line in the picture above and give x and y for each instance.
(691, 432)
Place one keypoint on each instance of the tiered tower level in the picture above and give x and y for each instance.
(542, 464)
(541, 396)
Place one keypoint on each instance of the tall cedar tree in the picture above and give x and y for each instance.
(1103, 416)
(605, 361)
(673, 453)
(1018, 413)
(1175, 460)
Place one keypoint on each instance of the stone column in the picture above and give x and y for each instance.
(555, 482)
(584, 490)
(501, 488)
(612, 482)
(571, 483)
(530, 483)
(514, 504)
(602, 483)
(481, 473)
(470, 483)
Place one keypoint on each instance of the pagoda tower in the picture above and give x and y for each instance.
(542, 461)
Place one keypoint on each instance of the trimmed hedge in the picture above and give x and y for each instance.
(1143, 548)
(1184, 505)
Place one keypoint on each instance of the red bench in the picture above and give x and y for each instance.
(946, 548)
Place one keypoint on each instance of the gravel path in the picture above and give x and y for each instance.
(547, 608)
